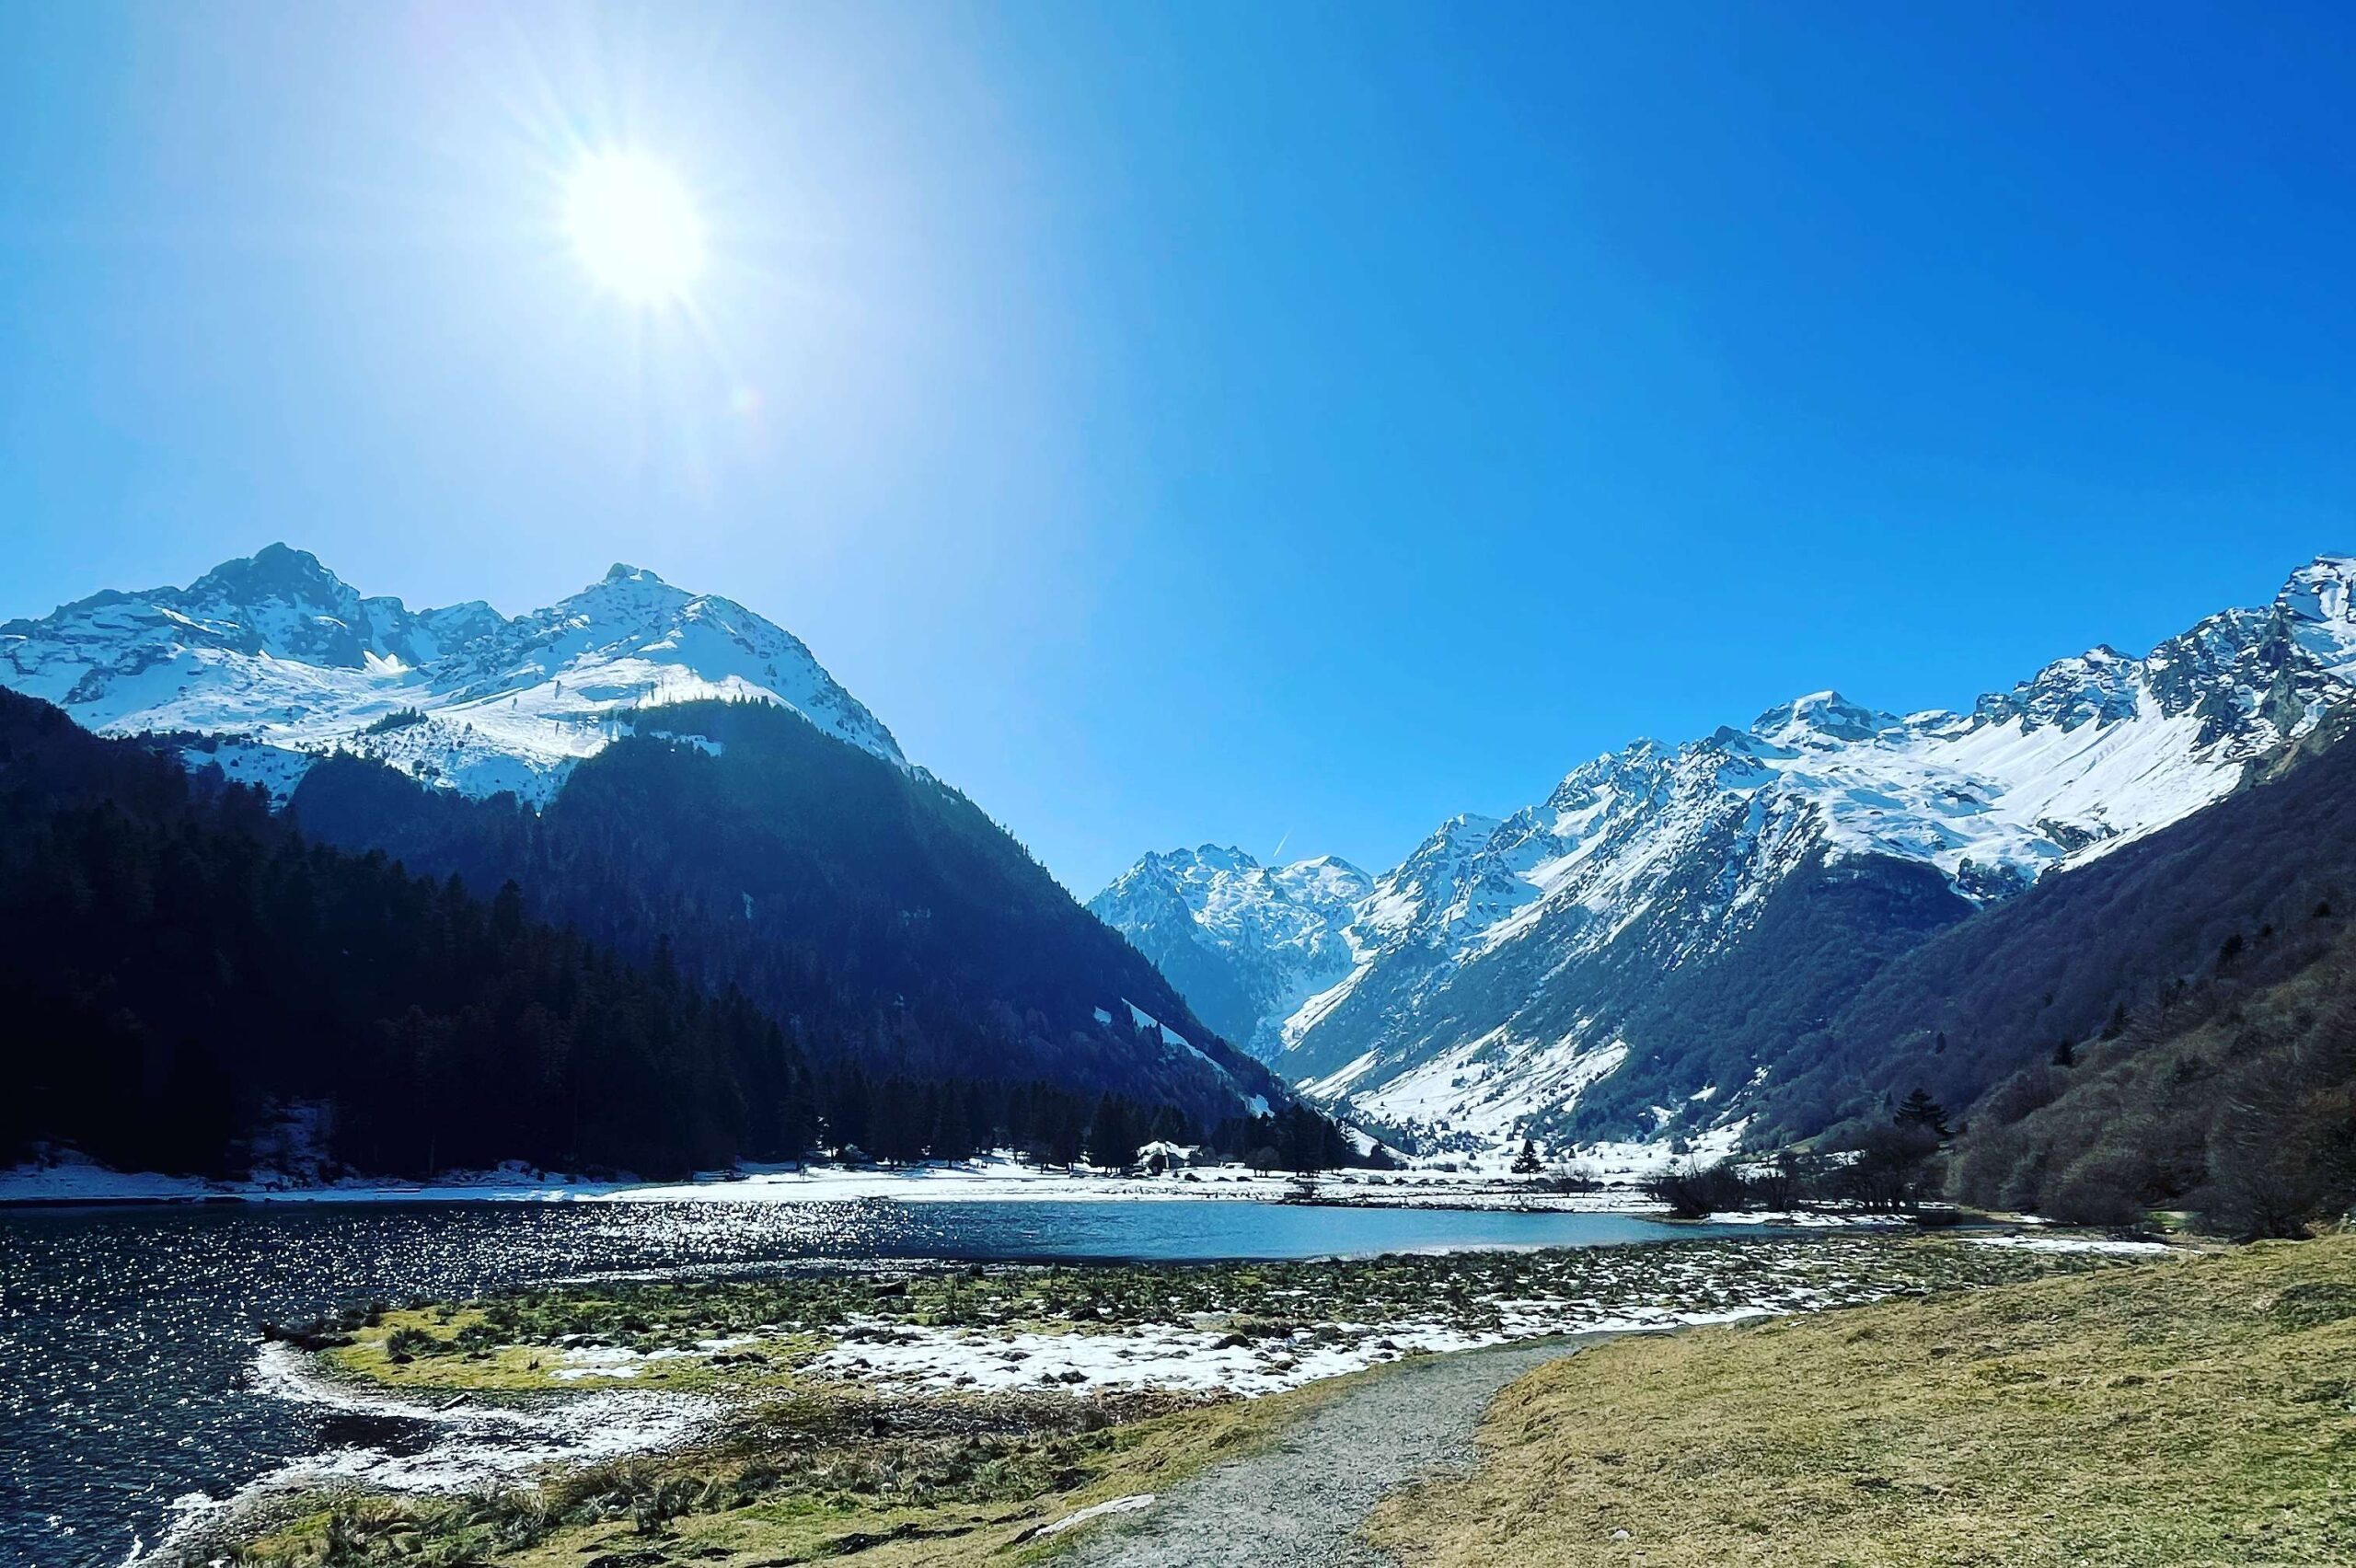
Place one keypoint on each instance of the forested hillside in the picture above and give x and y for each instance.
(2247, 890)
(875, 910)
(183, 967)
(179, 961)
(2238, 1102)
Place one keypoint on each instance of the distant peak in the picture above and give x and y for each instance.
(2321, 589)
(1466, 827)
(274, 568)
(622, 571)
(1824, 713)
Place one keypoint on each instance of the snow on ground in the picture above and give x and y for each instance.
(1490, 1086)
(1478, 1184)
(2071, 1244)
(586, 1361)
(1816, 1219)
(588, 1427)
(1002, 1179)
(1134, 1502)
(471, 1445)
(75, 1180)
(996, 1179)
(1207, 1360)
(1636, 1163)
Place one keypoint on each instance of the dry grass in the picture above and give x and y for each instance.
(2198, 1411)
(800, 1481)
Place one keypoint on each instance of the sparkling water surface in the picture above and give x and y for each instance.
(128, 1335)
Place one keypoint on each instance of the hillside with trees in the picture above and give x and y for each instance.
(2237, 1100)
(184, 967)
(2244, 892)
(875, 910)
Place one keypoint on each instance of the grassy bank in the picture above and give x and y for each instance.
(1007, 1328)
(2193, 1412)
(891, 1483)
(940, 1415)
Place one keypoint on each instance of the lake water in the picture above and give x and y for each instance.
(128, 1343)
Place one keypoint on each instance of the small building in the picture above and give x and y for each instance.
(1161, 1155)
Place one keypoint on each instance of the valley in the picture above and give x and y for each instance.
(1773, 933)
(760, 1158)
(1181, 784)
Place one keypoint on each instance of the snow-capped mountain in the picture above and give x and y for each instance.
(289, 661)
(1508, 967)
(1246, 944)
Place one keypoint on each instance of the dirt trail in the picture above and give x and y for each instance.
(1301, 1502)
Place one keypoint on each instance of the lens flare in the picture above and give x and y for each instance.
(635, 227)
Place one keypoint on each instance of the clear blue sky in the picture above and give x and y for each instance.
(1247, 423)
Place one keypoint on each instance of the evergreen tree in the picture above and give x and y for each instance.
(1920, 1112)
(1114, 1134)
(952, 1124)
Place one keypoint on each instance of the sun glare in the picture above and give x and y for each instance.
(635, 227)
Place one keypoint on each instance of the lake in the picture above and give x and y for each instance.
(129, 1378)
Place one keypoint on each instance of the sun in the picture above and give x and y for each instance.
(635, 227)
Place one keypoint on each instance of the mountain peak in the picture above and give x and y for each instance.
(1821, 714)
(275, 570)
(278, 649)
(2320, 590)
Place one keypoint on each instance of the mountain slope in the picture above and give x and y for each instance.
(2253, 887)
(1630, 957)
(1246, 944)
(877, 910)
(2238, 1102)
(778, 842)
(277, 651)
(182, 968)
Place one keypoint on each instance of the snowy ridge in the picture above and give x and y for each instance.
(282, 656)
(1489, 974)
(1256, 942)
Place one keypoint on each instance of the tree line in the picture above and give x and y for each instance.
(875, 911)
(183, 966)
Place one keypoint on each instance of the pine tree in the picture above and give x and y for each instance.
(1526, 1162)
(1919, 1110)
(1112, 1134)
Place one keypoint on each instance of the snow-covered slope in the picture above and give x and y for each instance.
(1246, 944)
(279, 656)
(1494, 975)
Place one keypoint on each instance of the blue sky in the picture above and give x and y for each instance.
(1244, 422)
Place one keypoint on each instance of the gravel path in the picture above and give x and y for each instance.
(1301, 1502)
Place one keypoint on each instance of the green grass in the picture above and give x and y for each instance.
(2192, 1411)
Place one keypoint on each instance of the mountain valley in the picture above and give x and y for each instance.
(1654, 953)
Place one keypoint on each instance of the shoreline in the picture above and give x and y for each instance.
(860, 1373)
(990, 1180)
(77, 1185)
